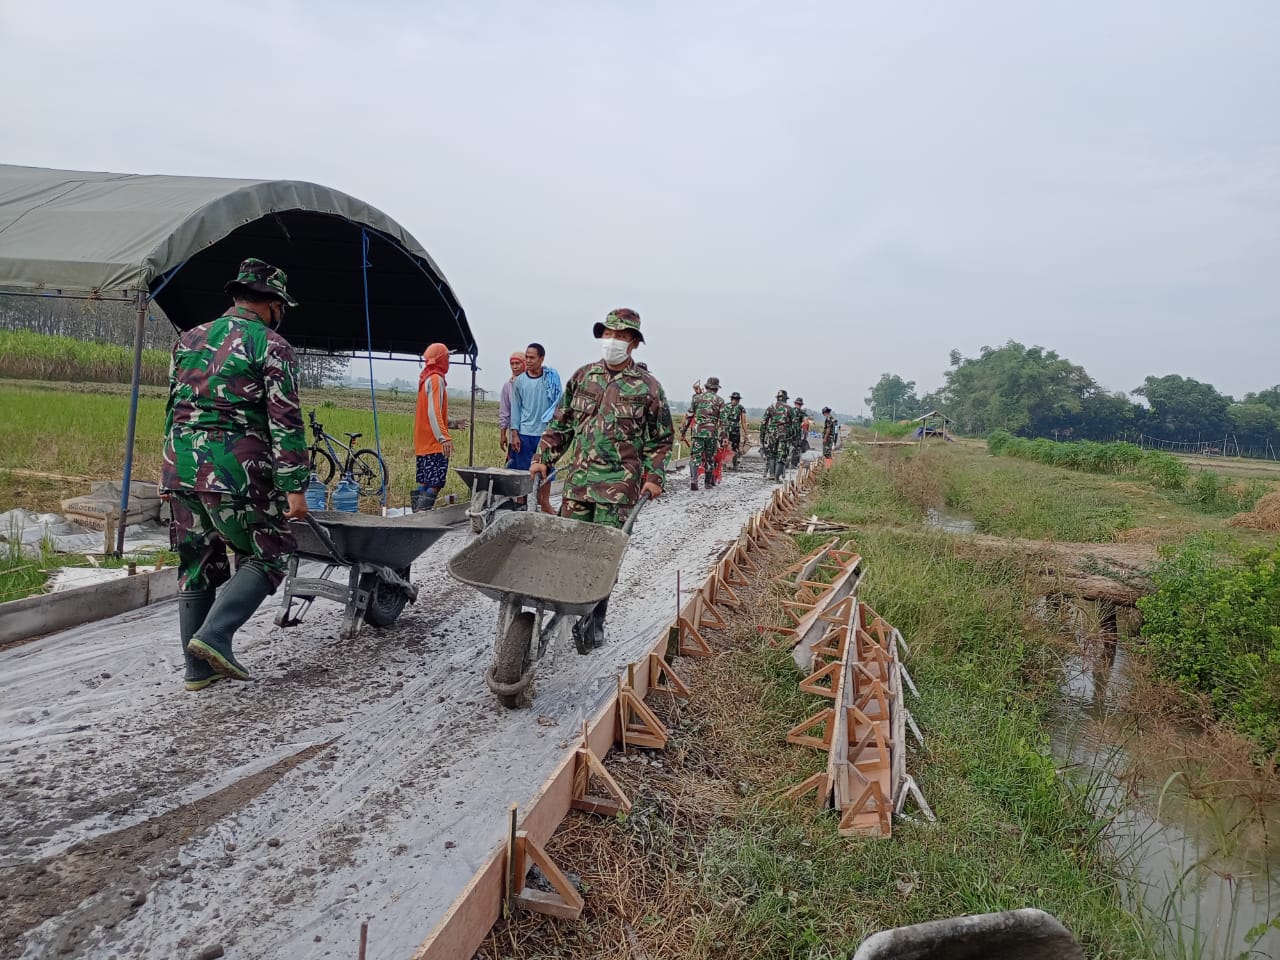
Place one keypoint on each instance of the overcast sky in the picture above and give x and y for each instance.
(792, 195)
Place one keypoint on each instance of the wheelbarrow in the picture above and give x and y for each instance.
(548, 575)
(492, 489)
(376, 552)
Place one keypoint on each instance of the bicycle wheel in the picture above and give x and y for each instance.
(323, 466)
(369, 472)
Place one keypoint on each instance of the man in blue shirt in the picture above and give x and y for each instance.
(535, 394)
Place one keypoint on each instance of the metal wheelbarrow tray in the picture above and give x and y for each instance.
(492, 488)
(377, 552)
(550, 564)
(559, 564)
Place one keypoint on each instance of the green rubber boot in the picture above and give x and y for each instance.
(193, 607)
(235, 604)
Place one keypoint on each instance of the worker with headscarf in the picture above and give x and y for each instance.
(431, 440)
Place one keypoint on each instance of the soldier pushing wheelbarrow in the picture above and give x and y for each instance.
(614, 422)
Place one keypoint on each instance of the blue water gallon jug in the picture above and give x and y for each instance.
(346, 496)
(317, 494)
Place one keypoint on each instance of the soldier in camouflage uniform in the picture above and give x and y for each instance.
(235, 466)
(706, 416)
(735, 418)
(773, 432)
(830, 431)
(614, 422)
(796, 443)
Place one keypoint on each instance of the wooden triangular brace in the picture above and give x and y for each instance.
(691, 642)
(733, 574)
(837, 612)
(724, 592)
(819, 784)
(911, 788)
(710, 616)
(822, 682)
(663, 679)
(565, 902)
(586, 766)
(869, 816)
(802, 736)
(640, 725)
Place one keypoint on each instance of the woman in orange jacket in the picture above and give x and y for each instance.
(431, 440)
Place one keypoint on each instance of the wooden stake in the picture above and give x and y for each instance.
(364, 938)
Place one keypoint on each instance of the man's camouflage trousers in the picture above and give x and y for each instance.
(205, 524)
(827, 447)
(703, 451)
(776, 448)
(605, 514)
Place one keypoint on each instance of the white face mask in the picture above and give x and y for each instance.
(614, 351)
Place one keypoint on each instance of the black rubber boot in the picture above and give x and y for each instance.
(769, 468)
(711, 478)
(193, 607)
(424, 500)
(236, 603)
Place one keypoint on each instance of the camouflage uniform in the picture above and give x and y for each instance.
(733, 411)
(830, 430)
(773, 430)
(234, 444)
(617, 428)
(707, 415)
(795, 434)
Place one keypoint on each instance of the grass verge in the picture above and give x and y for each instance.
(713, 862)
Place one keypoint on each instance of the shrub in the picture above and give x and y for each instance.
(1213, 629)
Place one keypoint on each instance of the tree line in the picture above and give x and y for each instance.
(113, 323)
(1034, 392)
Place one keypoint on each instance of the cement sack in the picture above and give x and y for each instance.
(103, 500)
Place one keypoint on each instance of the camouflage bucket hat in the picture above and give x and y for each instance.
(621, 319)
(799, 402)
(782, 395)
(262, 277)
(713, 383)
(735, 395)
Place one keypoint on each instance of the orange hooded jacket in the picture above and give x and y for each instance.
(431, 422)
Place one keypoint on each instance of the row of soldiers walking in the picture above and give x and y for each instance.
(782, 435)
(716, 425)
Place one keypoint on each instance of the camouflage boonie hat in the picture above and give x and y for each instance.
(713, 383)
(782, 395)
(799, 402)
(262, 277)
(735, 395)
(826, 409)
(620, 319)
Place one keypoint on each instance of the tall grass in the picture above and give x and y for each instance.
(1205, 491)
(35, 356)
(82, 434)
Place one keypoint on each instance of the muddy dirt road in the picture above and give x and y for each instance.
(353, 780)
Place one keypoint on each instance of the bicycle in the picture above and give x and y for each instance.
(364, 466)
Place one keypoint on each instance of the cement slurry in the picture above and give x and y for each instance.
(386, 824)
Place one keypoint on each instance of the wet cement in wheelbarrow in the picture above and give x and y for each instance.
(547, 558)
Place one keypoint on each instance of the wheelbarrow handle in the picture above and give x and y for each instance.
(319, 530)
(631, 520)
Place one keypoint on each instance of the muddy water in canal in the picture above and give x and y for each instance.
(1202, 873)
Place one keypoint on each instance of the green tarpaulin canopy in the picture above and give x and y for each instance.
(181, 238)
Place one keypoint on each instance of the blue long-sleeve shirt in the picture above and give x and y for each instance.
(534, 401)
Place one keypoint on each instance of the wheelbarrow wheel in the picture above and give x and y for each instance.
(386, 601)
(512, 650)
